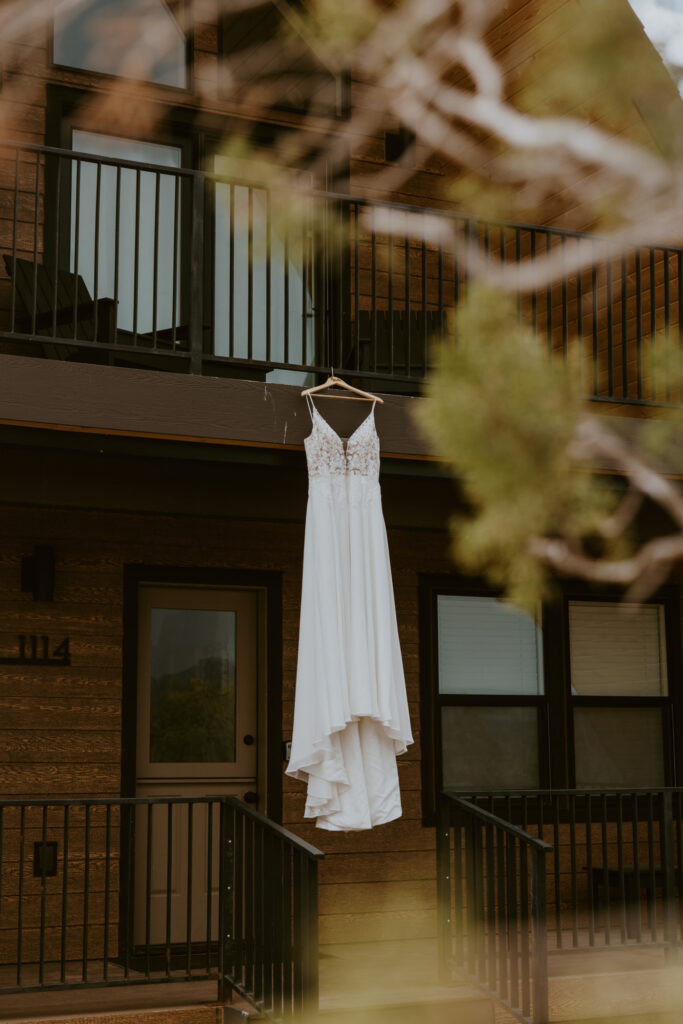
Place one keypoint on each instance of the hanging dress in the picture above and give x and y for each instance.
(351, 715)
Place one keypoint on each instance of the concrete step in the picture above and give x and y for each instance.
(467, 1006)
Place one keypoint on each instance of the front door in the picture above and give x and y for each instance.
(197, 719)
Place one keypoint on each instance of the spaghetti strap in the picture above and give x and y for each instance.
(311, 407)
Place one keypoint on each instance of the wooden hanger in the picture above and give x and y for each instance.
(332, 381)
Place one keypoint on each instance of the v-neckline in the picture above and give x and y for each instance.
(345, 447)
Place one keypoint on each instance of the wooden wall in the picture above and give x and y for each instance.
(61, 728)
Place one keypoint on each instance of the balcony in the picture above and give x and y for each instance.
(151, 266)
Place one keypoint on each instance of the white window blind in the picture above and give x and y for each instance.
(486, 646)
(617, 650)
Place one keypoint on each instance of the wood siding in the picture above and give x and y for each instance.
(62, 727)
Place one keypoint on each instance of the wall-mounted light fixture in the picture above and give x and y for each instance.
(38, 573)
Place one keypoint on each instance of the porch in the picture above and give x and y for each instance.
(557, 906)
(160, 267)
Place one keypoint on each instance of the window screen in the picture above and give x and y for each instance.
(486, 646)
(616, 747)
(617, 650)
(489, 748)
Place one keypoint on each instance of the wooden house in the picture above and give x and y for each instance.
(153, 854)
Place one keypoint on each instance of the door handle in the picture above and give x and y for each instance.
(248, 740)
(250, 797)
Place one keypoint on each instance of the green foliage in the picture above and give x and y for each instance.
(195, 722)
(503, 415)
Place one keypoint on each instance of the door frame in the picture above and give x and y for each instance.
(270, 769)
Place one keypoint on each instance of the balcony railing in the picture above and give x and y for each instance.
(157, 266)
(117, 892)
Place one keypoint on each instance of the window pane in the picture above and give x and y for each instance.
(618, 747)
(192, 673)
(129, 38)
(617, 650)
(487, 646)
(489, 748)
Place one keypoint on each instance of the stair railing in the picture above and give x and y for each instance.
(491, 899)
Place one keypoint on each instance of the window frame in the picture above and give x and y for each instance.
(556, 745)
(106, 76)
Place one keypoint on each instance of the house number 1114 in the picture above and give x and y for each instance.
(35, 650)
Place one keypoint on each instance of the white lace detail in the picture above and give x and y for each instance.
(326, 455)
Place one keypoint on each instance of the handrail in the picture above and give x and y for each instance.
(491, 900)
(493, 819)
(311, 851)
(342, 197)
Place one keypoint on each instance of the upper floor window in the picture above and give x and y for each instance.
(267, 60)
(140, 39)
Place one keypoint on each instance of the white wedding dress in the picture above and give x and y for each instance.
(351, 712)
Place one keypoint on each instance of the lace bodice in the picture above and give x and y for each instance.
(327, 456)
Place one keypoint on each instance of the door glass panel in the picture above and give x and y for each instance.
(112, 210)
(617, 747)
(488, 646)
(192, 675)
(263, 264)
(489, 748)
(130, 38)
(617, 650)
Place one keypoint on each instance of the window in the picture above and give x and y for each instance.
(490, 693)
(267, 60)
(589, 700)
(140, 39)
(617, 657)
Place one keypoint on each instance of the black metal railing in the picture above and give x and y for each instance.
(616, 873)
(115, 892)
(491, 879)
(149, 265)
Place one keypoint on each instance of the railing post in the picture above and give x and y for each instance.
(539, 938)
(666, 841)
(196, 260)
(226, 898)
(444, 936)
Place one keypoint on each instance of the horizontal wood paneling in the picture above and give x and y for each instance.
(60, 728)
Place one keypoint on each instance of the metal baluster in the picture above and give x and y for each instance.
(65, 888)
(96, 267)
(175, 267)
(148, 891)
(503, 927)
(231, 277)
(443, 890)
(55, 250)
(155, 270)
(556, 871)
(512, 918)
(107, 886)
(20, 908)
(188, 910)
(652, 901)
(605, 867)
(624, 328)
(539, 938)
(596, 355)
(287, 932)
(667, 324)
(356, 279)
(250, 273)
(209, 881)
(15, 221)
(549, 298)
(492, 968)
(36, 209)
(373, 277)
(620, 868)
(43, 896)
(77, 239)
(136, 257)
(86, 891)
(286, 294)
(269, 311)
(565, 302)
(635, 836)
(390, 270)
(117, 239)
(169, 886)
(524, 922)
(639, 325)
(572, 846)
(653, 325)
(589, 868)
(406, 243)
